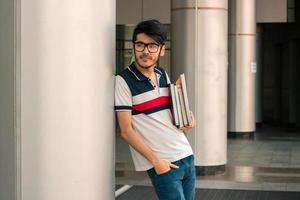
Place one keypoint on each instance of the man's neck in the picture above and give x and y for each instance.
(148, 72)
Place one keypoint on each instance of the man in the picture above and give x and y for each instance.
(142, 104)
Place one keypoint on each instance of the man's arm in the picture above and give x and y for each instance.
(135, 140)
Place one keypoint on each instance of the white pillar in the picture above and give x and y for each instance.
(258, 76)
(59, 68)
(242, 29)
(7, 84)
(199, 49)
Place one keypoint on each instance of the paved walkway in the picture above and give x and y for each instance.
(268, 162)
(147, 193)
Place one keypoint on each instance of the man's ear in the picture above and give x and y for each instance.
(163, 50)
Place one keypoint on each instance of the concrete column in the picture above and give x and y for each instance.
(258, 76)
(7, 95)
(62, 67)
(199, 49)
(242, 67)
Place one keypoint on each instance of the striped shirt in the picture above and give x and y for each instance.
(151, 115)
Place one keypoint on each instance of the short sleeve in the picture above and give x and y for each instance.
(123, 97)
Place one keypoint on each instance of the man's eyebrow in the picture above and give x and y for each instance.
(146, 43)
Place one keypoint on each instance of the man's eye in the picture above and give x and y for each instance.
(139, 44)
(153, 45)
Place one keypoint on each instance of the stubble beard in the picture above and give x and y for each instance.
(143, 56)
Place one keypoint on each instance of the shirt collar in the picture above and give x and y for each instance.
(141, 77)
(158, 71)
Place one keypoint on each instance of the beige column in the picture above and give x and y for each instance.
(62, 131)
(242, 66)
(199, 49)
(7, 112)
(258, 75)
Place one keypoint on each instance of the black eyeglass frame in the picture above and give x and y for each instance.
(146, 45)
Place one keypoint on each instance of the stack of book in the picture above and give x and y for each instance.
(180, 103)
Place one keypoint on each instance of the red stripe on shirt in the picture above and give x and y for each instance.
(152, 103)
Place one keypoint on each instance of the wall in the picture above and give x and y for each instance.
(134, 11)
(271, 11)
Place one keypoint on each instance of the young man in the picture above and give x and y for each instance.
(142, 104)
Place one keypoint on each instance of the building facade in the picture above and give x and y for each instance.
(57, 66)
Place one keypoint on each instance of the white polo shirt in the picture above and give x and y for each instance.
(151, 115)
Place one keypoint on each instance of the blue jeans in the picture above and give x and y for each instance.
(176, 184)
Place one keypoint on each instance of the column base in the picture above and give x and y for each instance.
(241, 135)
(210, 170)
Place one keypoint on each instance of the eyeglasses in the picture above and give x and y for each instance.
(140, 47)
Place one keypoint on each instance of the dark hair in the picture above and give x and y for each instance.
(152, 28)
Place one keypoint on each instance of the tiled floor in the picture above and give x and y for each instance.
(269, 148)
(270, 161)
(147, 193)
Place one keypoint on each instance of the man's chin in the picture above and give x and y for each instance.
(145, 66)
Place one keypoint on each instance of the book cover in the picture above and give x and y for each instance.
(183, 110)
(178, 107)
(180, 102)
(186, 99)
(174, 105)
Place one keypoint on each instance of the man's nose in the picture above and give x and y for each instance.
(146, 50)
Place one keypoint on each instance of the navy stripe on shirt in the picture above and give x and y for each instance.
(123, 107)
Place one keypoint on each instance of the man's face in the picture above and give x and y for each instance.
(147, 51)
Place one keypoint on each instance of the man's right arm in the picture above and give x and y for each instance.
(137, 142)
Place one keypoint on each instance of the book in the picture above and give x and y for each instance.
(182, 105)
(179, 111)
(174, 105)
(179, 96)
(186, 99)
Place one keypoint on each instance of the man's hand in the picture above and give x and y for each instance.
(162, 166)
(185, 128)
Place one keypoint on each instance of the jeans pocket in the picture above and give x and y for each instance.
(164, 172)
